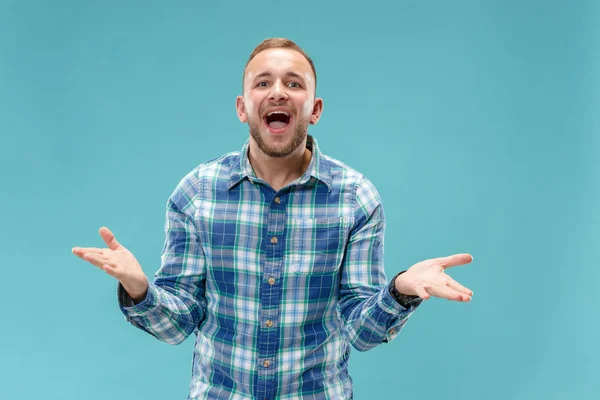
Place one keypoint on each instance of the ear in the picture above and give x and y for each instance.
(241, 109)
(317, 110)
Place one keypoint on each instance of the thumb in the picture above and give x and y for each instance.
(109, 238)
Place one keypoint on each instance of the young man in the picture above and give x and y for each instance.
(274, 254)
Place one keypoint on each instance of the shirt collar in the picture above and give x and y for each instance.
(318, 168)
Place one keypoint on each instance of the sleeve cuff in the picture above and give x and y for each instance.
(401, 313)
(389, 304)
(128, 306)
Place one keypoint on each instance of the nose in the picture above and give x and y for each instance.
(278, 92)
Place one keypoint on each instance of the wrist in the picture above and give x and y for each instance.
(401, 285)
(399, 293)
(136, 290)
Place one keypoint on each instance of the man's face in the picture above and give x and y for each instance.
(279, 101)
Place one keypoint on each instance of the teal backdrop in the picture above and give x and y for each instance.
(478, 121)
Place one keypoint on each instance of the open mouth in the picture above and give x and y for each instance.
(277, 120)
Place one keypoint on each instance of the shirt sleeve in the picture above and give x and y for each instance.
(174, 304)
(371, 313)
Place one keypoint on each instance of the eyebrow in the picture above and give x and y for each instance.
(288, 74)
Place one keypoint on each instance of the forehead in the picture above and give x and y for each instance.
(279, 61)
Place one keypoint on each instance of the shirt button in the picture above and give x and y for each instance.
(392, 331)
(266, 363)
(269, 323)
(277, 200)
(274, 240)
(271, 281)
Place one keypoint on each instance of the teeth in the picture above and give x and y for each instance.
(278, 112)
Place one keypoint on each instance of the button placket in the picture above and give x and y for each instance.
(268, 338)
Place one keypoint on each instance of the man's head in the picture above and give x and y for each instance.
(278, 100)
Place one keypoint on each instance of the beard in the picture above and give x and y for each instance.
(287, 148)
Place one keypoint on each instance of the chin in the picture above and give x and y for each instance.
(279, 144)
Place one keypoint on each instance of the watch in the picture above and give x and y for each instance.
(403, 299)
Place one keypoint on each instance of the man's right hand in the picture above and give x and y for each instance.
(119, 262)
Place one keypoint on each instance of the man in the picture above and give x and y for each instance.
(274, 255)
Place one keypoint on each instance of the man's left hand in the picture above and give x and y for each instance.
(428, 278)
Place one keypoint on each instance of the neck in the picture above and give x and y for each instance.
(279, 171)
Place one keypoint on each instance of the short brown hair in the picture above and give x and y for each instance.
(281, 43)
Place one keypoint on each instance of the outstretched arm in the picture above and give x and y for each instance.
(173, 305)
(372, 314)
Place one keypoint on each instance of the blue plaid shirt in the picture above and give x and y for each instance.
(276, 285)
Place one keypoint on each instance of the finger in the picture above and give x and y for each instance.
(446, 292)
(456, 259)
(79, 251)
(97, 260)
(109, 238)
(457, 286)
(98, 256)
(109, 269)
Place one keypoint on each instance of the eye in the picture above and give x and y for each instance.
(294, 84)
(262, 84)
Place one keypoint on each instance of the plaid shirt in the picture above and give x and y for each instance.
(276, 285)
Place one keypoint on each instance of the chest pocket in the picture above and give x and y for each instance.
(317, 245)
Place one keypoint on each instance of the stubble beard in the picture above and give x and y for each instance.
(297, 139)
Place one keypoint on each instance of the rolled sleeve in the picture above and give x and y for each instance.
(371, 313)
(174, 304)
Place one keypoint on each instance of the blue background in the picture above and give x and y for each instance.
(477, 120)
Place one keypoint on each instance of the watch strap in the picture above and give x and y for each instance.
(403, 299)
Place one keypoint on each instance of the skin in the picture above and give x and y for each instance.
(279, 78)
